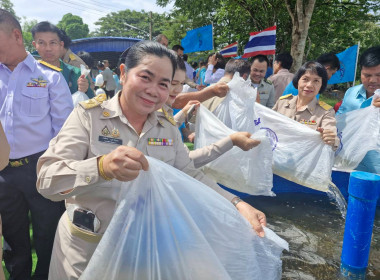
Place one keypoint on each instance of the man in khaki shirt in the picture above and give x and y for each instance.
(265, 88)
(67, 55)
(281, 76)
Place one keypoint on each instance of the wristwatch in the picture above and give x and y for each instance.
(236, 200)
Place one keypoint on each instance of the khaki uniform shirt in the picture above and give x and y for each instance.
(315, 114)
(266, 92)
(70, 162)
(72, 59)
(280, 81)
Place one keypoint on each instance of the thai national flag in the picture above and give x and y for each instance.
(262, 42)
(230, 50)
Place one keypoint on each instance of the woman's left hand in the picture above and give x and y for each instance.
(328, 135)
(255, 217)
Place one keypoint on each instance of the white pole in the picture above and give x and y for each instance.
(356, 64)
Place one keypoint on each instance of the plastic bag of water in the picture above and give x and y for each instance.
(170, 226)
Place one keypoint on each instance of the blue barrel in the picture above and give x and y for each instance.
(363, 189)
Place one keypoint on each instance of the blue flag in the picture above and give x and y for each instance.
(199, 39)
(346, 73)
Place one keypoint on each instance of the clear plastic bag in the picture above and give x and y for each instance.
(359, 132)
(299, 154)
(80, 96)
(170, 226)
(245, 171)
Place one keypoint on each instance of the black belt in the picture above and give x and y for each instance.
(24, 161)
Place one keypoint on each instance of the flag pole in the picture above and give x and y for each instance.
(356, 64)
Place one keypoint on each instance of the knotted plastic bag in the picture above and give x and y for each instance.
(299, 154)
(80, 96)
(359, 133)
(236, 111)
(245, 171)
(170, 226)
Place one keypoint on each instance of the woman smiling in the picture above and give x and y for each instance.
(310, 79)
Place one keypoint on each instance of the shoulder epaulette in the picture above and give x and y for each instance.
(169, 117)
(268, 81)
(93, 102)
(72, 56)
(324, 105)
(50, 65)
(286, 96)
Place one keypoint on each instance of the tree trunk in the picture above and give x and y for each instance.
(301, 17)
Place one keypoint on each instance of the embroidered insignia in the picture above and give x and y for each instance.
(115, 133)
(37, 82)
(168, 117)
(160, 142)
(105, 131)
(324, 105)
(50, 65)
(93, 102)
(106, 114)
(285, 96)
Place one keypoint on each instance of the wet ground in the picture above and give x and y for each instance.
(314, 228)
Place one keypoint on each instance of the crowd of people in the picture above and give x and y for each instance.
(66, 164)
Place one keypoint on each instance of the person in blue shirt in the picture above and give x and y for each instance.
(35, 102)
(361, 96)
(331, 63)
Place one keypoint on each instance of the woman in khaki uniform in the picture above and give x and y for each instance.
(209, 153)
(102, 144)
(310, 79)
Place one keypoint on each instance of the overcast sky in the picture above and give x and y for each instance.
(89, 10)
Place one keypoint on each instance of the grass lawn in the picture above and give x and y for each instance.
(34, 256)
(331, 100)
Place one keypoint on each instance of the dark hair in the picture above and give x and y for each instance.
(312, 67)
(194, 64)
(261, 58)
(329, 59)
(177, 47)
(87, 58)
(100, 65)
(371, 57)
(221, 64)
(180, 63)
(286, 60)
(238, 65)
(45, 26)
(185, 57)
(66, 39)
(10, 20)
(139, 50)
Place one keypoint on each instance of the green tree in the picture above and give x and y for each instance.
(73, 26)
(129, 23)
(8, 5)
(27, 26)
(307, 28)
